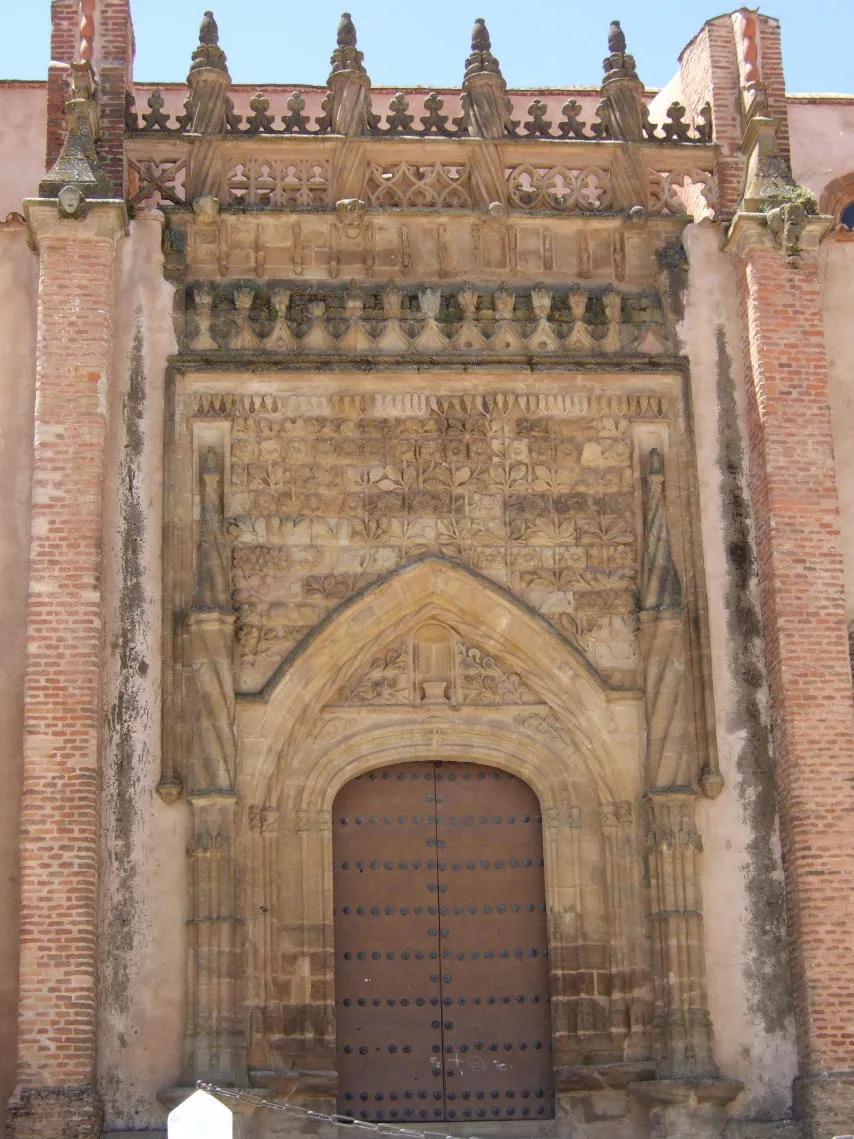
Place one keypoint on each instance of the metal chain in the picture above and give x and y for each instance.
(306, 1113)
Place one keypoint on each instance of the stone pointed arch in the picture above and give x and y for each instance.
(595, 717)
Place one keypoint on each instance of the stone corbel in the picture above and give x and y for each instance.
(756, 229)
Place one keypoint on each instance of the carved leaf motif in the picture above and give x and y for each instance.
(385, 682)
(549, 579)
(332, 587)
(483, 681)
(553, 478)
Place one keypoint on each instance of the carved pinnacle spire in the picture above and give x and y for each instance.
(209, 31)
(660, 585)
(480, 40)
(618, 64)
(346, 56)
(346, 31)
(481, 58)
(208, 53)
(616, 38)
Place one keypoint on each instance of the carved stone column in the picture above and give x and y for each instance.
(216, 1032)
(629, 978)
(682, 1026)
(687, 1093)
(208, 110)
(349, 100)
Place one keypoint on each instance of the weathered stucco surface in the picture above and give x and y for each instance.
(144, 886)
(22, 106)
(18, 286)
(749, 988)
(822, 136)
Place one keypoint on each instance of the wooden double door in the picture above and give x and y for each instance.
(441, 950)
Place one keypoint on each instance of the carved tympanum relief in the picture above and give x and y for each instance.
(435, 667)
(537, 492)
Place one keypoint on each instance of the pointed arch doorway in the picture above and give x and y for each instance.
(441, 950)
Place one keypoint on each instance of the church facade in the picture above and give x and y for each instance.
(429, 559)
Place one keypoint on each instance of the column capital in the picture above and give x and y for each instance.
(766, 230)
(104, 219)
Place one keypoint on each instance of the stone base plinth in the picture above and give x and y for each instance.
(45, 1113)
(689, 1109)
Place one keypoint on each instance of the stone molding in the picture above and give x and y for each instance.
(105, 220)
(754, 230)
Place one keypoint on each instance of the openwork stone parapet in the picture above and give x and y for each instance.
(533, 176)
(568, 114)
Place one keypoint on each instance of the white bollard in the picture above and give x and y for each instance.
(200, 1116)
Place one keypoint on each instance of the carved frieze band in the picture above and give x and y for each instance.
(278, 318)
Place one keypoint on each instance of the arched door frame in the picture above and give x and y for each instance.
(294, 761)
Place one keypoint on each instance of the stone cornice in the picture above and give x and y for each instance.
(105, 220)
(753, 231)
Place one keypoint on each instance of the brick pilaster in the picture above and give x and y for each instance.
(793, 482)
(63, 678)
(114, 49)
(64, 32)
(708, 71)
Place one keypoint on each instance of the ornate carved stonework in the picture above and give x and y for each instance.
(329, 492)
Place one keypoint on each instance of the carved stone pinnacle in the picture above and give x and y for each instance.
(346, 31)
(208, 53)
(481, 58)
(616, 38)
(209, 31)
(346, 56)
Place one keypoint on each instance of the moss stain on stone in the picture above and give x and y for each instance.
(127, 716)
(767, 971)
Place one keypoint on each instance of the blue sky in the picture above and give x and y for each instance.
(545, 44)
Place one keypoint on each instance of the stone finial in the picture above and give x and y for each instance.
(346, 31)
(616, 39)
(78, 166)
(208, 100)
(209, 30)
(208, 53)
(486, 108)
(481, 58)
(346, 56)
(348, 105)
(623, 106)
(618, 64)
